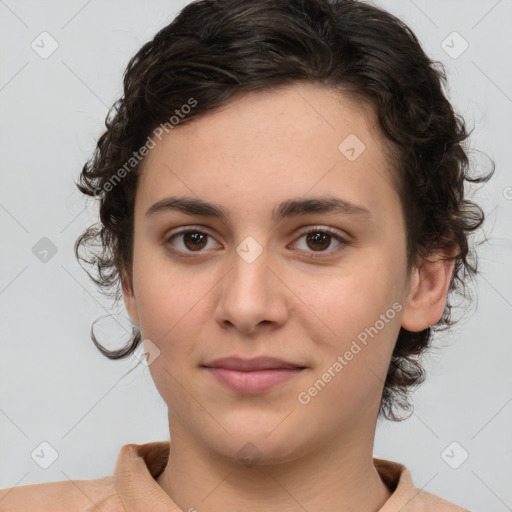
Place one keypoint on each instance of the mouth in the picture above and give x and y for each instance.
(253, 376)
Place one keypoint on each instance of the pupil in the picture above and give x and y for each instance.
(319, 239)
(196, 239)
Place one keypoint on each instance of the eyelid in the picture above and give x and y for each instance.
(344, 241)
(323, 229)
(187, 229)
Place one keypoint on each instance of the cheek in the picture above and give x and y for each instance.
(349, 299)
(164, 294)
(169, 315)
(173, 312)
(354, 326)
(173, 304)
(356, 316)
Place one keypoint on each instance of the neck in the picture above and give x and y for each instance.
(338, 474)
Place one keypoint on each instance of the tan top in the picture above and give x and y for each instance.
(133, 488)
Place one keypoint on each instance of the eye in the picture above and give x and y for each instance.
(319, 239)
(190, 240)
(316, 240)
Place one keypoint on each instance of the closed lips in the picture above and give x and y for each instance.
(250, 365)
(252, 376)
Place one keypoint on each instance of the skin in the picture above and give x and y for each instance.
(257, 151)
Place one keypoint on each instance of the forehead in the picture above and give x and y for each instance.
(272, 145)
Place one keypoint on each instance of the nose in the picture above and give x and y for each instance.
(252, 296)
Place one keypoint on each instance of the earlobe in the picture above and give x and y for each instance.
(428, 292)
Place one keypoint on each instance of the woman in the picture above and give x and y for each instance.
(282, 206)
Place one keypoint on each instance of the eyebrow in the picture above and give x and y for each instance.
(285, 209)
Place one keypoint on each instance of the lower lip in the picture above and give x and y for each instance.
(254, 382)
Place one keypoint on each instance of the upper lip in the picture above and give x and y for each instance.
(258, 363)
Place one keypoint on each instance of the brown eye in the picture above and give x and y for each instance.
(190, 240)
(320, 240)
(194, 241)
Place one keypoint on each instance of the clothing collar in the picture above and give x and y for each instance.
(138, 466)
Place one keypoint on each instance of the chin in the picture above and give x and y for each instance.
(259, 451)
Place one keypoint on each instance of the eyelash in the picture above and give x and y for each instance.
(313, 230)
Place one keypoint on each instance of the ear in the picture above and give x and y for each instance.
(129, 299)
(428, 292)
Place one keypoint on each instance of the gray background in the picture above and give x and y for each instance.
(57, 388)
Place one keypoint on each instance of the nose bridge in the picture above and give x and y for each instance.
(250, 275)
(250, 294)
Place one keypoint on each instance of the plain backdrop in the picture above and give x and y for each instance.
(56, 388)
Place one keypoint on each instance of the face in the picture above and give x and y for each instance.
(320, 289)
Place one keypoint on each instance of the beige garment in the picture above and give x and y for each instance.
(133, 488)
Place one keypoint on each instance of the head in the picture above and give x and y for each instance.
(249, 106)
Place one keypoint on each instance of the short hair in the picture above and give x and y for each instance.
(215, 51)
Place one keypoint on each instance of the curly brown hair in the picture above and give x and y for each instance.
(216, 50)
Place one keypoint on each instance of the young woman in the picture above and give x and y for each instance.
(281, 193)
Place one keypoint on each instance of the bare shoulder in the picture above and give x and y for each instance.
(62, 496)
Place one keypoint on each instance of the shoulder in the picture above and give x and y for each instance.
(427, 502)
(405, 496)
(76, 495)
